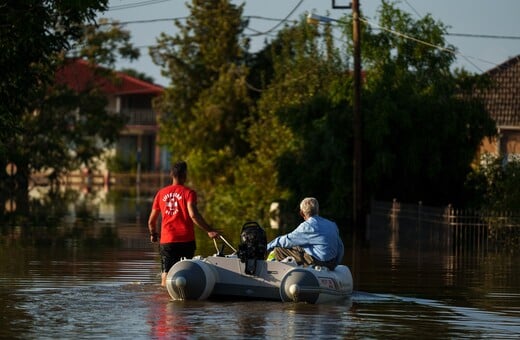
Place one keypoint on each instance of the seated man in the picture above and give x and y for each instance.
(315, 241)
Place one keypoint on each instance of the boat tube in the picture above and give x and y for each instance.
(200, 278)
(246, 274)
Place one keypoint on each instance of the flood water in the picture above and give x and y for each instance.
(98, 277)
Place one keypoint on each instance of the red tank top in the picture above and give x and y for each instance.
(176, 225)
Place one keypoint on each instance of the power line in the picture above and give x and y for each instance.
(413, 9)
(136, 4)
(454, 34)
(284, 20)
(486, 36)
(441, 48)
(280, 21)
(147, 21)
(270, 19)
(467, 58)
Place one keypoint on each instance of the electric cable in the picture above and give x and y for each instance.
(270, 31)
(441, 48)
(283, 20)
(135, 4)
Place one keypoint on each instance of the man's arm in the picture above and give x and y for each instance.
(297, 237)
(152, 223)
(200, 221)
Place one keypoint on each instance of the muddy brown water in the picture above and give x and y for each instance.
(100, 279)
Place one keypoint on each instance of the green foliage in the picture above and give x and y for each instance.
(297, 132)
(32, 34)
(102, 44)
(290, 136)
(57, 129)
(205, 108)
(85, 130)
(119, 164)
(422, 128)
(494, 184)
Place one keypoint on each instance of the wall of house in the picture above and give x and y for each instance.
(113, 104)
(510, 143)
(137, 142)
(489, 145)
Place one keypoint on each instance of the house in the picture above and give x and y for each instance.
(129, 96)
(502, 101)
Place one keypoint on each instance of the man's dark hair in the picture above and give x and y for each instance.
(179, 169)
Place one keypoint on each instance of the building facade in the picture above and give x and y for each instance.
(137, 146)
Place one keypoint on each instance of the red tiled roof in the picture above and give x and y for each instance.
(79, 75)
(503, 99)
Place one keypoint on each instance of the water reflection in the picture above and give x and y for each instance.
(254, 319)
(328, 321)
(166, 319)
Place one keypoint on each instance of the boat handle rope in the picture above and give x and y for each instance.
(225, 241)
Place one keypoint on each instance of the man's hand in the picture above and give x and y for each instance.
(213, 234)
(154, 237)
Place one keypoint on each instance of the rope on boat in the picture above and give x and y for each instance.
(225, 241)
(228, 244)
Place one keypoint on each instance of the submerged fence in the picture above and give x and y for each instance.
(457, 228)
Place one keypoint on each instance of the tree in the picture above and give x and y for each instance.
(297, 136)
(422, 127)
(204, 110)
(60, 128)
(494, 184)
(421, 124)
(86, 128)
(32, 33)
(104, 43)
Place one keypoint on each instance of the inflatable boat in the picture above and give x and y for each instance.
(199, 278)
(246, 274)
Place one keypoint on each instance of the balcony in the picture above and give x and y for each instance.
(140, 116)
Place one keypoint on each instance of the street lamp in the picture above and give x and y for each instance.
(357, 160)
(315, 19)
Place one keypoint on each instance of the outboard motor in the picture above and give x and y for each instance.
(253, 246)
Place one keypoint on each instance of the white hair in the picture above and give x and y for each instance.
(309, 206)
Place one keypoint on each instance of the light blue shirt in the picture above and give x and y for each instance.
(318, 236)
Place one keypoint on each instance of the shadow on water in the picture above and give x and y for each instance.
(90, 272)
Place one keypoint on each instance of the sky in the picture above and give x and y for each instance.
(486, 33)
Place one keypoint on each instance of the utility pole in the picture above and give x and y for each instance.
(358, 214)
(358, 209)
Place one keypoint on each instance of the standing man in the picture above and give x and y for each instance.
(315, 241)
(177, 205)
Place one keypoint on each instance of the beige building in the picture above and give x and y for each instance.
(127, 96)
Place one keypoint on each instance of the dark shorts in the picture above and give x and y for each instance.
(171, 253)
